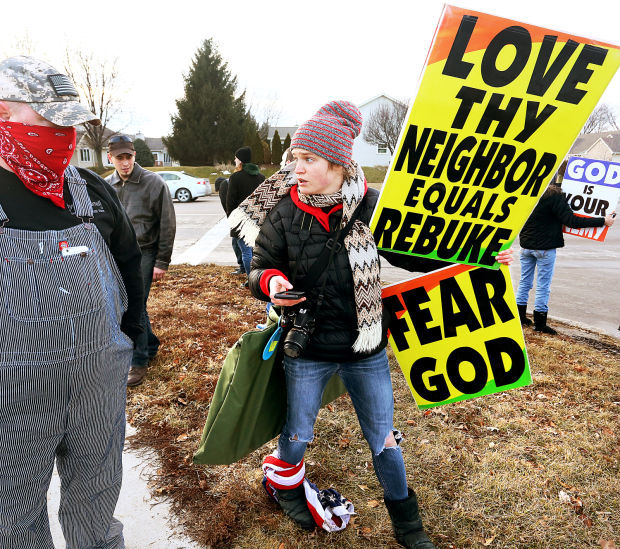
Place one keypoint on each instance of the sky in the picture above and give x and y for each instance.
(290, 57)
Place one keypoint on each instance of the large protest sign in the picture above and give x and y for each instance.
(592, 189)
(456, 334)
(498, 107)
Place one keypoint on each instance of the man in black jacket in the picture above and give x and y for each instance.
(146, 198)
(242, 184)
(223, 192)
(540, 237)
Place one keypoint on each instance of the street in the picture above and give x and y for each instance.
(583, 291)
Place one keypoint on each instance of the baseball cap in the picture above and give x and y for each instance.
(120, 144)
(49, 92)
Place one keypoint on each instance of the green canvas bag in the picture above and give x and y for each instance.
(248, 407)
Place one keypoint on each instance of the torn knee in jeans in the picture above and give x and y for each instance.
(296, 438)
(392, 441)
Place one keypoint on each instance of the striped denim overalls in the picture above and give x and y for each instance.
(63, 372)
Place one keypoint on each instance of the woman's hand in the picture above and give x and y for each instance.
(504, 257)
(609, 219)
(280, 284)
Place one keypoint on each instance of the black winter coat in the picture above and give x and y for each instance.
(241, 185)
(277, 247)
(543, 229)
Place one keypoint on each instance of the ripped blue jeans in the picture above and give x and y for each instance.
(369, 384)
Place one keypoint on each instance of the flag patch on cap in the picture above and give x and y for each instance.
(62, 84)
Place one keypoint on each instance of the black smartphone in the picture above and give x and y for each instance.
(290, 294)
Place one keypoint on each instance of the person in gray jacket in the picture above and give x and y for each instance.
(146, 198)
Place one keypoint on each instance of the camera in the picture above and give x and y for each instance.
(301, 326)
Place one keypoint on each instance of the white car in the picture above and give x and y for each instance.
(185, 187)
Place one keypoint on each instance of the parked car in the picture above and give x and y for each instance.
(185, 187)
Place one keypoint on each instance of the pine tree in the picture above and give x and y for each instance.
(211, 121)
(144, 156)
(287, 142)
(266, 152)
(276, 148)
(258, 154)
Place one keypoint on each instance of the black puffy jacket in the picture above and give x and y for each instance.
(543, 229)
(277, 247)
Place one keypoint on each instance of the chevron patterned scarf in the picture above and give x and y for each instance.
(359, 243)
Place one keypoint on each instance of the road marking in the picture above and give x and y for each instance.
(200, 251)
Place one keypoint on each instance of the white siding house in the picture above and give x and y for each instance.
(363, 152)
(84, 156)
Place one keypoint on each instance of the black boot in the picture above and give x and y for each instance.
(540, 323)
(294, 505)
(407, 523)
(523, 316)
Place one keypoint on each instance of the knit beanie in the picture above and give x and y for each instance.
(244, 154)
(330, 132)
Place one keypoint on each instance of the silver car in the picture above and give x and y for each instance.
(185, 187)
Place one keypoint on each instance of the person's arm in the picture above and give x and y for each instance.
(167, 231)
(231, 195)
(565, 215)
(126, 252)
(269, 257)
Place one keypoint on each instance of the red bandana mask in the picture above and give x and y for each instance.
(38, 155)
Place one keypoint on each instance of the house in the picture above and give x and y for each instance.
(367, 154)
(601, 146)
(84, 156)
(282, 132)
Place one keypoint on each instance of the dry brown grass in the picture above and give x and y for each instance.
(488, 472)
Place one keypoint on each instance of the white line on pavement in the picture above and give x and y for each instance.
(198, 253)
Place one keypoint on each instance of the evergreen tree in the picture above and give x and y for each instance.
(287, 142)
(276, 148)
(144, 156)
(257, 149)
(211, 121)
(266, 152)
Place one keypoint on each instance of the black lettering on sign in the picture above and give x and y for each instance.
(580, 73)
(494, 113)
(446, 249)
(426, 168)
(505, 346)
(468, 97)
(388, 222)
(490, 291)
(533, 120)
(429, 232)
(437, 389)
(414, 192)
(543, 77)
(462, 314)
(412, 219)
(515, 36)
(421, 317)
(398, 326)
(455, 66)
(412, 149)
(453, 370)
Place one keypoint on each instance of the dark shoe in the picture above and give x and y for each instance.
(523, 316)
(246, 284)
(295, 506)
(239, 271)
(540, 323)
(407, 524)
(136, 376)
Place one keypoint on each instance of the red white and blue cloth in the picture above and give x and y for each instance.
(330, 509)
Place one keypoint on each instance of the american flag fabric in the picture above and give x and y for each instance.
(330, 509)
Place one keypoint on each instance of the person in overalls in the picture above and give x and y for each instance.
(71, 308)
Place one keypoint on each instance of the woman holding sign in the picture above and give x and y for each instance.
(315, 256)
(540, 237)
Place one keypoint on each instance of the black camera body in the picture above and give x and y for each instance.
(300, 324)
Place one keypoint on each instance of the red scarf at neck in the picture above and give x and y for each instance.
(38, 155)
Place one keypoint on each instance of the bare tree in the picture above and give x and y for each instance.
(603, 118)
(96, 82)
(384, 125)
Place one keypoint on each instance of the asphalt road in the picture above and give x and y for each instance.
(584, 290)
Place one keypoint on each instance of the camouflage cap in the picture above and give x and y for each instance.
(50, 93)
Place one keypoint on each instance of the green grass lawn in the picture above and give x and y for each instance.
(374, 175)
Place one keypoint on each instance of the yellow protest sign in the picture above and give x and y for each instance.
(456, 334)
(498, 107)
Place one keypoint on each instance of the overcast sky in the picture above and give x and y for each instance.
(290, 57)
